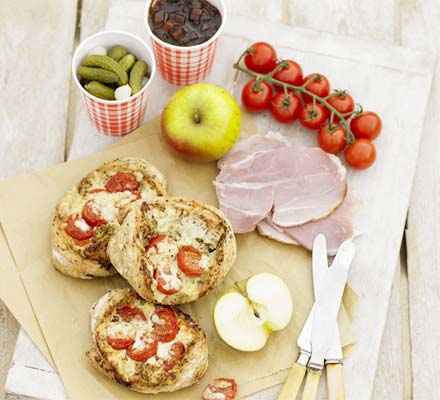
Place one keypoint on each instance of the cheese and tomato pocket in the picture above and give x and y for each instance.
(88, 214)
(173, 251)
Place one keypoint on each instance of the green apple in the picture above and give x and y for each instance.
(201, 122)
(249, 311)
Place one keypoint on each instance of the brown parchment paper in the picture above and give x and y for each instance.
(61, 304)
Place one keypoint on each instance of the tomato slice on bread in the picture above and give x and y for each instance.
(129, 313)
(91, 215)
(176, 354)
(142, 349)
(226, 386)
(167, 283)
(122, 181)
(120, 335)
(75, 231)
(154, 241)
(165, 324)
(188, 260)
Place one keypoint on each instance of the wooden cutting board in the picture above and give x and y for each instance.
(373, 74)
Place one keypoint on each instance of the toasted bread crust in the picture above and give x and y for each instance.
(127, 253)
(89, 260)
(147, 378)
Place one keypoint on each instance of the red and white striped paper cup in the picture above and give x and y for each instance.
(185, 65)
(115, 117)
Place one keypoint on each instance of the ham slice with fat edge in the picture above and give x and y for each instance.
(336, 227)
(304, 184)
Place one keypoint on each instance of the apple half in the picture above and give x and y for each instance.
(249, 311)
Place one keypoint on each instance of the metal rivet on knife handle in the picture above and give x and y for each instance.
(293, 383)
(335, 382)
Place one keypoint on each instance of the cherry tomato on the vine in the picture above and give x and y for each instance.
(291, 74)
(342, 101)
(256, 98)
(312, 116)
(261, 58)
(285, 108)
(332, 138)
(361, 154)
(319, 85)
(368, 125)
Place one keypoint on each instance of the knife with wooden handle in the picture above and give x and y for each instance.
(293, 383)
(335, 382)
(312, 385)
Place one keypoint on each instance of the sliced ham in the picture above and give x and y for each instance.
(306, 184)
(337, 227)
(251, 146)
(267, 228)
(231, 200)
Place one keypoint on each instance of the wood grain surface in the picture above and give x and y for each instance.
(421, 29)
(34, 76)
(413, 23)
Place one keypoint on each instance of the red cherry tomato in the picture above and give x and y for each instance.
(319, 86)
(177, 352)
(75, 231)
(256, 98)
(143, 349)
(225, 386)
(188, 260)
(261, 58)
(122, 181)
(332, 138)
(163, 283)
(154, 242)
(292, 74)
(361, 154)
(368, 125)
(129, 313)
(285, 109)
(342, 101)
(91, 216)
(312, 117)
(165, 324)
(120, 335)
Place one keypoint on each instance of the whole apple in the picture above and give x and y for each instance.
(201, 122)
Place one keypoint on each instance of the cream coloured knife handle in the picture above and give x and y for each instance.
(335, 382)
(293, 383)
(312, 385)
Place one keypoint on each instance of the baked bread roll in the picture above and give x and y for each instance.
(88, 214)
(173, 251)
(146, 347)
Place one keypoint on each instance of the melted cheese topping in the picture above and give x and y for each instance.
(208, 394)
(126, 366)
(73, 202)
(108, 205)
(181, 230)
(163, 350)
(121, 329)
(81, 224)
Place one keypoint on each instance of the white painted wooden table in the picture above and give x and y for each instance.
(409, 364)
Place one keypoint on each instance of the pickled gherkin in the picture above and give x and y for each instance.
(108, 63)
(100, 90)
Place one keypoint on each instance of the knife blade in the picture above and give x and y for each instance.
(319, 267)
(327, 304)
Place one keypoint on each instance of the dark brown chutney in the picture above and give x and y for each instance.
(184, 22)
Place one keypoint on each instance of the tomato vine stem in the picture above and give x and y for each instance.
(343, 120)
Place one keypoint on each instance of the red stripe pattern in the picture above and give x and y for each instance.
(184, 65)
(116, 119)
